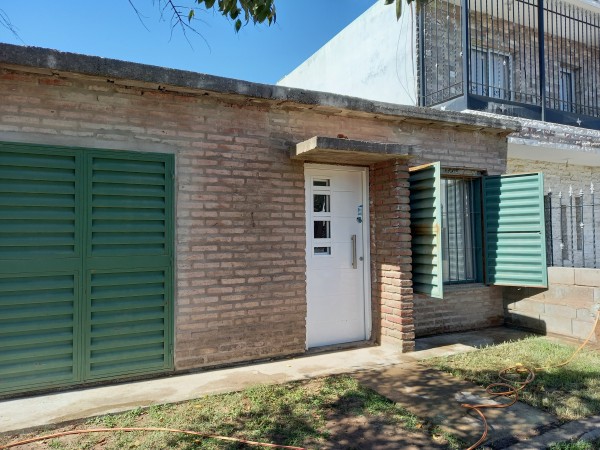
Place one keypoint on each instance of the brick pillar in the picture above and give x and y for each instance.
(391, 263)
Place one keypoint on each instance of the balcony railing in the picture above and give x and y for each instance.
(537, 59)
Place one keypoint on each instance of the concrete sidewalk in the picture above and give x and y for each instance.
(437, 397)
(584, 429)
(383, 368)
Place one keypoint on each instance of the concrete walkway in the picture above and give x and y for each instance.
(586, 429)
(425, 392)
(437, 396)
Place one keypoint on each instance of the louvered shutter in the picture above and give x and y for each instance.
(426, 222)
(514, 227)
(129, 271)
(86, 275)
(40, 248)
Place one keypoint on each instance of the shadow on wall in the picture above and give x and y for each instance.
(527, 322)
(567, 308)
(521, 312)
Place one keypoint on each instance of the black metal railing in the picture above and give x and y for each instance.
(538, 59)
(573, 228)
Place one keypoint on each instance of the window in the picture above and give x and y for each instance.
(321, 217)
(490, 74)
(459, 229)
(566, 90)
(472, 228)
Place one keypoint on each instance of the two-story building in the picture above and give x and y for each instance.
(537, 61)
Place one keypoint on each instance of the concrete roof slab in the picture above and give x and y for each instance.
(18, 57)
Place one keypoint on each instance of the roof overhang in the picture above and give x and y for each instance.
(327, 150)
(55, 63)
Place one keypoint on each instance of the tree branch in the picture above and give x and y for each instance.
(6, 23)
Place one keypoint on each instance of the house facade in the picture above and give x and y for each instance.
(159, 221)
(533, 61)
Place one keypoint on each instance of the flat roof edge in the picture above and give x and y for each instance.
(43, 58)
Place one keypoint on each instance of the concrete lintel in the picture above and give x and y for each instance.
(348, 151)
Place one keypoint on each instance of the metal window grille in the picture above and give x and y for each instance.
(573, 228)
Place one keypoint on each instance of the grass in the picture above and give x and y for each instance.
(578, 445)
(291, 414)
(571, 392)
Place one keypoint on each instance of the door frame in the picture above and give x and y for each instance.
(366, 229)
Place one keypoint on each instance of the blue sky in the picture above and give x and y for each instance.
(111, 29)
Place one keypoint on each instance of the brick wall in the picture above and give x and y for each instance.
(568, 307)
(390, 254)
(464, 307)
(240, 229)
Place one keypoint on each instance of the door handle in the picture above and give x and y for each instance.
(353, 241)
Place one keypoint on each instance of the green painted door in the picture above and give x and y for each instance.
(85, 265)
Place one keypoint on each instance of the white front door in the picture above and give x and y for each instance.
(338, 309)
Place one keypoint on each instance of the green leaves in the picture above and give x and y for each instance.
(257, 11)
(398, 6)
(260, 11)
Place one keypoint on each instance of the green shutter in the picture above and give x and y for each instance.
(129, 206)
(426, 224)
(37, 335)
(128, 322)
(39, 196)
(40, 248)
(86, 274)
(129, 266)
(515, 242)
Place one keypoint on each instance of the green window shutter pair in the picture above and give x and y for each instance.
(86, 259)
(514, 230)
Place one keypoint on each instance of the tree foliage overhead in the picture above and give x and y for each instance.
(398, 5)
(240, 11)
(257, 11)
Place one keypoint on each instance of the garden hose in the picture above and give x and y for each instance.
(511, 387)
(131, 429)
(506, 388)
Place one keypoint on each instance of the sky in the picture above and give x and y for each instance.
(112, 29)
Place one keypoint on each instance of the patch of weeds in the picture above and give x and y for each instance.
(570, 392)
(55, 444)
(577, 445)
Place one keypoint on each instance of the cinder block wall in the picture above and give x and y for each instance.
(240, 213)
(568, 307)
(558, 176)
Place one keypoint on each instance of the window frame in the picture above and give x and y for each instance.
(484, 87)
(475, 254)
(566, 105)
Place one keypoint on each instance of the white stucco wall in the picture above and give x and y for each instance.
(374, 58)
